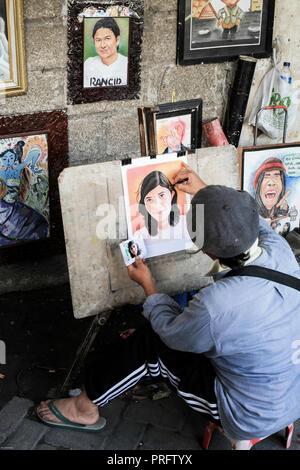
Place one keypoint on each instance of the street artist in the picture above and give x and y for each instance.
(233, 353)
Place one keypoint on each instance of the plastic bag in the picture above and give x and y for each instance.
(274, 91)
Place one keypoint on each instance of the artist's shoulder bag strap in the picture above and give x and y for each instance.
(266, 273)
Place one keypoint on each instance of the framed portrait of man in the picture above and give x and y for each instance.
(171, 127)
(13, 75)
(271, 174)
(104, 51)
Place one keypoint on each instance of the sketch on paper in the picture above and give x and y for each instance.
(272, 177)
(155, 210)
(24, 189)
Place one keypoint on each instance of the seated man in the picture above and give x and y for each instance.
(232, 353)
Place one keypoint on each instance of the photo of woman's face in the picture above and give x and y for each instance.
(134, 249)
(158, 203)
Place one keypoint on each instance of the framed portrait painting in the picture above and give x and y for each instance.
(272, 176)
(218, 30)
(171, 127)
(104, 51)
(13, 75)
(155, 209)
(33, 152)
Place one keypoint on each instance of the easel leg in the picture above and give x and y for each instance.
(96, 323)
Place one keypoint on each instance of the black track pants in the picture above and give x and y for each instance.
(120, 366)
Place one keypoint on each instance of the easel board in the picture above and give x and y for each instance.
(93, 194)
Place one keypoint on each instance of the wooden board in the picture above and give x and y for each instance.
(98, 277)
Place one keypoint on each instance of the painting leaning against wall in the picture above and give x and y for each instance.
(272, 176)
(24, 189)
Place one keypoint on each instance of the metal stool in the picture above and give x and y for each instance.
(242, 445)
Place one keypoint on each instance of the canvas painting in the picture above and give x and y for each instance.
(170, 127)
(230, 22)
(105, 52)
(13, 74)
(174, 134)
(218, 30)
(272, 177)
(4, 47)
(104, 56)
(24, 189)
(156, 210)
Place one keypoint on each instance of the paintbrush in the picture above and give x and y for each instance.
(172, 186)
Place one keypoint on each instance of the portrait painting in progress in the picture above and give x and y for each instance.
(155, 209)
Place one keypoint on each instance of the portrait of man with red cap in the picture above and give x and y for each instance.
(270, 189)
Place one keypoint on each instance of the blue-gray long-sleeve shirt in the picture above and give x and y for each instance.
(250, 329)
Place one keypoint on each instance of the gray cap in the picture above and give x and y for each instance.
(229, 225)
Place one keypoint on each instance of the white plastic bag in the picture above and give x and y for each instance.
(274, 91)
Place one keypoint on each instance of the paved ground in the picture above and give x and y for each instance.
(42, 338)
(164, 424)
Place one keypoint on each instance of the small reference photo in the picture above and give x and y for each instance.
(132, 248)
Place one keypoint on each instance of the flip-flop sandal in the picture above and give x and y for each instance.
(67, 424)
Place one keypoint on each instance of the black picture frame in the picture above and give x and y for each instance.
(77, 11)
(149, 118)
(200, 40)
(54, 125)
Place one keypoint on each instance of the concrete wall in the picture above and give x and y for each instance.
(104, 131)
(286, 40)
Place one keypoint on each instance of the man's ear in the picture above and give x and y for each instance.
(118, 40)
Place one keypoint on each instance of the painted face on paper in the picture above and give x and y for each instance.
(271, 188)
(158, 203)
(106, 44)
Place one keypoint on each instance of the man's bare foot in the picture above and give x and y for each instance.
(78, 409)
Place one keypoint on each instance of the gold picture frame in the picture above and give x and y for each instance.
(13, 78)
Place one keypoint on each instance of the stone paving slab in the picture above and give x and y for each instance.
(12, 415)
(165, 424)
(27, 436)
(159, 414)
(159, 438)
